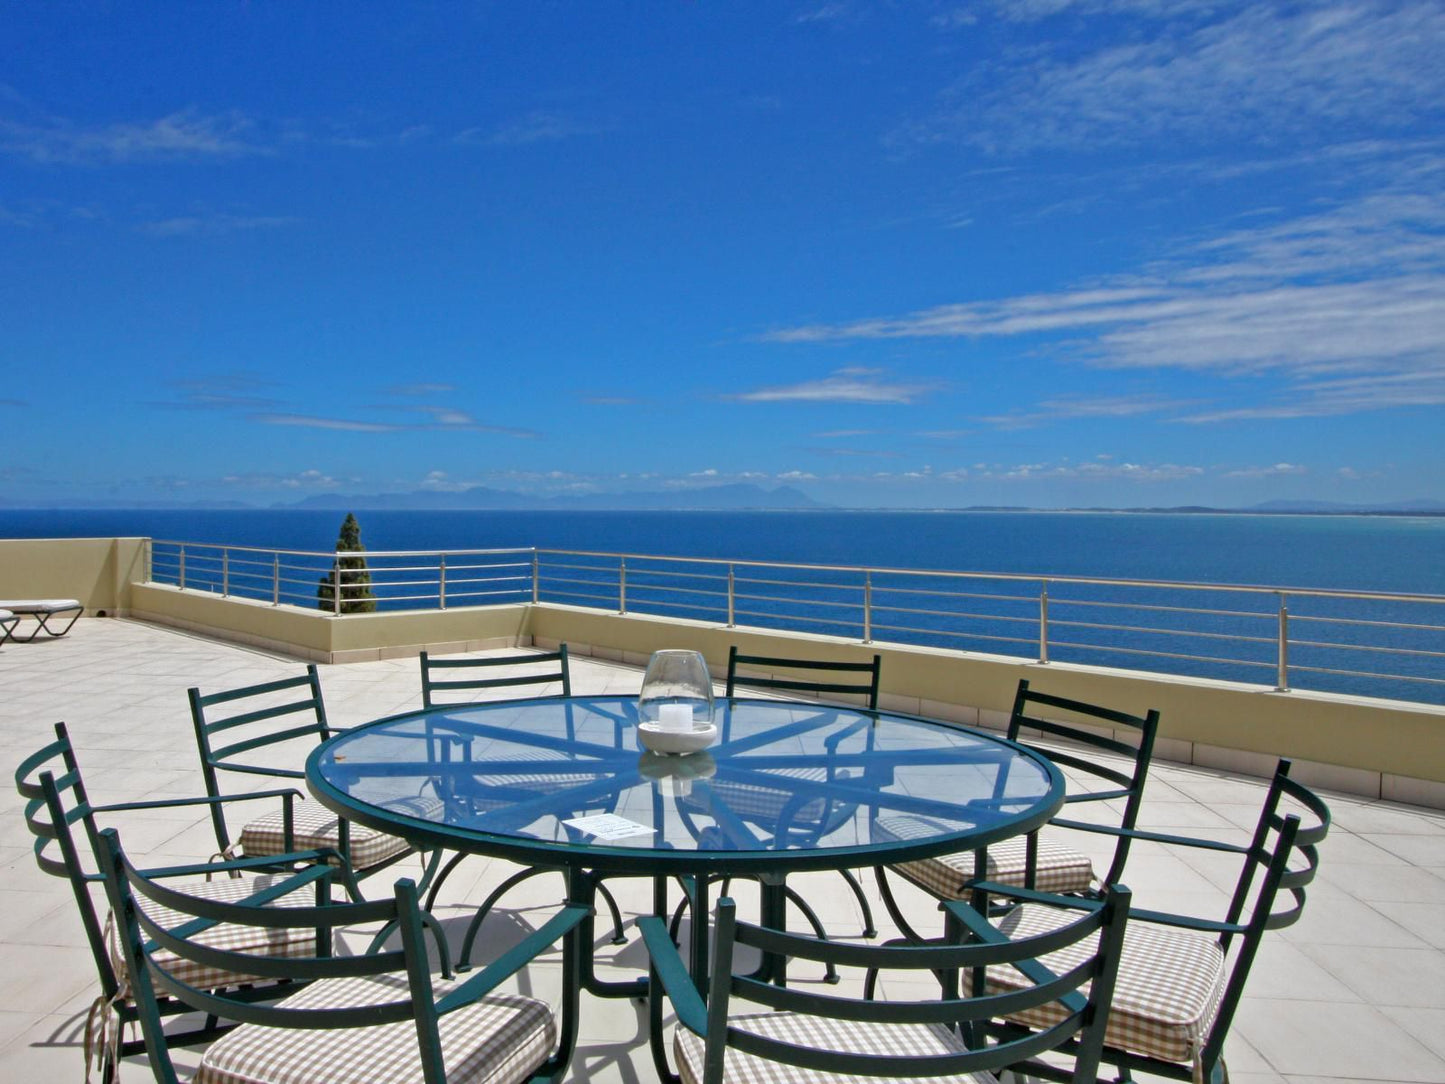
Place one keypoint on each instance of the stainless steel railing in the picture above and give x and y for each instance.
(1368, 642)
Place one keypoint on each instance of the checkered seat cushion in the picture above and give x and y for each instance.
(500, 1039)
(764, 805)
(1059, 868)
(1167, 993)
(888, 1041)
(314, 826)
(253, 940)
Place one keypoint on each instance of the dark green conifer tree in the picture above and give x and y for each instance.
(349, 573)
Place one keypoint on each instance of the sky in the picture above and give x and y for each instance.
(1053, 253)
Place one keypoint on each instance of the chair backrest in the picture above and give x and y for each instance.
(972, 945)
(539, 669)
(55, 799)
(243, 720)
(1115, 781)
(867, 688)
(1280, 863)
(135, 898)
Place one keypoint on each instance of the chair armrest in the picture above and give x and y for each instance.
(1150, 837)
(256, 769)
(169, 803)
(1078, 903)
(320, 857)
(513, 960)
(677, 984)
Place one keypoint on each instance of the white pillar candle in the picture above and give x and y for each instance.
(674, 716)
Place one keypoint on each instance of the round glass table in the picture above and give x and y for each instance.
(788, 787)
(562, 783)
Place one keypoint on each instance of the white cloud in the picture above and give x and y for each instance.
(1257, 72)
(186, 134)
(538, 126)
(1346, 304)
(1051, 410)
(209, 224)
(851, 385)
(1275, 471)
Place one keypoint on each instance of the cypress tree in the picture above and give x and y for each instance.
(350, 573)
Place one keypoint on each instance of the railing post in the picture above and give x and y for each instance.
(181, 573)
(868, 606)
(150, 558)
(622, 585)
(442, 582)
(225, 573)
(536, 571)
(1044, 621)
(732, 597)
(335, 586)
(275, 579)
(1282, 674)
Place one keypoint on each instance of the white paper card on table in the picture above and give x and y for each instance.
(608, 826)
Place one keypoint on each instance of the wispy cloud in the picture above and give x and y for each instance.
(1064, 408)
(306, 479)
(212, 224)
(234, 392)
(843, 434)
(445, 419)
(1261, 71)
(851, 385)
(610, 400)
(1274, 471)
(1347, 305)
(311, 421)
(186, 134)
(538, 126)
(421, 389)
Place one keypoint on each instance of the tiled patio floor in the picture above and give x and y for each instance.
(1355, 992)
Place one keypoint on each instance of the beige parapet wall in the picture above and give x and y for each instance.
(96, 571)
(1373, 747)
(1387, 748)
(323, 637)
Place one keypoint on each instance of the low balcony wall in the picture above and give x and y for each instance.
(1378, 748)
(1383, 748)
(96, 571)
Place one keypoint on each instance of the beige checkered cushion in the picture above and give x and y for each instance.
(1060, 868)
(766, 804)
(1168, 991)
(315, 826)
(500, 1039)
(853, 1037)
(250, 939)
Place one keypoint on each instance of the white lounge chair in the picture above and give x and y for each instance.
(42, 609)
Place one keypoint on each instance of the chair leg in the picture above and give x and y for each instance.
(830, 976)
(618, 937)
(895, 912)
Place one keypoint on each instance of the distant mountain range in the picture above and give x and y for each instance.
(741, 496)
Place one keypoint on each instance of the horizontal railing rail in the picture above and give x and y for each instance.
(1375, 643)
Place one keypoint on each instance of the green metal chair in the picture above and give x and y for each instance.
(827, 1038)
(530, 676)
(546, 668)
(1036, 860)
(378, 1017)
(56, 801)
(363, 850)
(867, 688)
(1181, 977)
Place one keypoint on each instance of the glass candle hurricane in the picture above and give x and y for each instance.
(676, 680)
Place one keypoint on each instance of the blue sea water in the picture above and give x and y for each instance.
(1205, 633)
(1381, 553)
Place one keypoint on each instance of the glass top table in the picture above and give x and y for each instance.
(788, 787)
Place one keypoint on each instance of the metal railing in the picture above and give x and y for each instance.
(1365, 642)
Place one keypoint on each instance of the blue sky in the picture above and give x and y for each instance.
(1041, 252)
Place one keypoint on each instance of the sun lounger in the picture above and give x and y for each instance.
(42, 609)
(8, 621)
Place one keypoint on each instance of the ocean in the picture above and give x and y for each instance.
(1212, 634)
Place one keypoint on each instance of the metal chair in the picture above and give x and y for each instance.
(55, 801)
(536, 669)
(866, 689)
(1181, 977)
(363, 850)
(830, 1038)
(380, 1016)
(1035, 860)
(530, 676)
